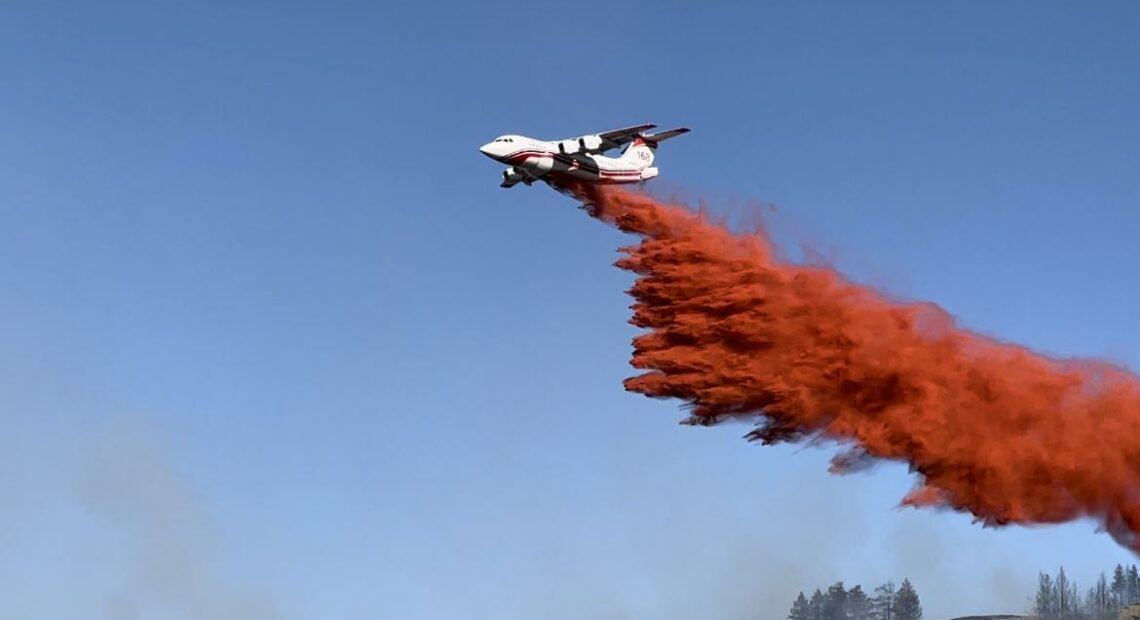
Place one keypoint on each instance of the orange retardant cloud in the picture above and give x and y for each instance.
(993, 429)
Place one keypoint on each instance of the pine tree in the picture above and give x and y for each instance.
(800, 609)
(1074, 600)
(883, 602)
(1100, 600)
(1133, 586)
(907, 605)
(858, 605)
(815, 606)
(1043, 605)
(1119, 587)
(1063, 595)
(835, 602)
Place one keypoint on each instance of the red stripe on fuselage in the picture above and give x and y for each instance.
(520, 157)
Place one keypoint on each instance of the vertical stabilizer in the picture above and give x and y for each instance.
(640, 153)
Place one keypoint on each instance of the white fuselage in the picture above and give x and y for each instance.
(531, 159)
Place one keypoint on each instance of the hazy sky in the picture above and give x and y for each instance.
(276, 345)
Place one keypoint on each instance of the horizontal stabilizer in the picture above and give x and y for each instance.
(654, 138)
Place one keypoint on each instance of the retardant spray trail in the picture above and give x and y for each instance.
(992, 428)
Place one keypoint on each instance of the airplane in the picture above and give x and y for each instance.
(559, 163)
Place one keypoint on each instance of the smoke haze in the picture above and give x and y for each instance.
(108, 527)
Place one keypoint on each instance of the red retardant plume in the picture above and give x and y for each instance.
(993, 429)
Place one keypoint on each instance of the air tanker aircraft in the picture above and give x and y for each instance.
(579, 159)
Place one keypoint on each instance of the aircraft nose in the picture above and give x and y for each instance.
(487, 150)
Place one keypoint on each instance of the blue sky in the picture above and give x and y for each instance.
(277, 346)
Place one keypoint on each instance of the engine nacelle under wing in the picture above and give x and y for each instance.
(512, 177)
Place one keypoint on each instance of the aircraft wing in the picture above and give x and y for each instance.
(613, 138)
(625, 134)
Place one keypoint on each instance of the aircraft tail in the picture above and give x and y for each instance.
(644, 148)
(640, 153)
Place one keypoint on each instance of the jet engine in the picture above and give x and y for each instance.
(511, 176)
